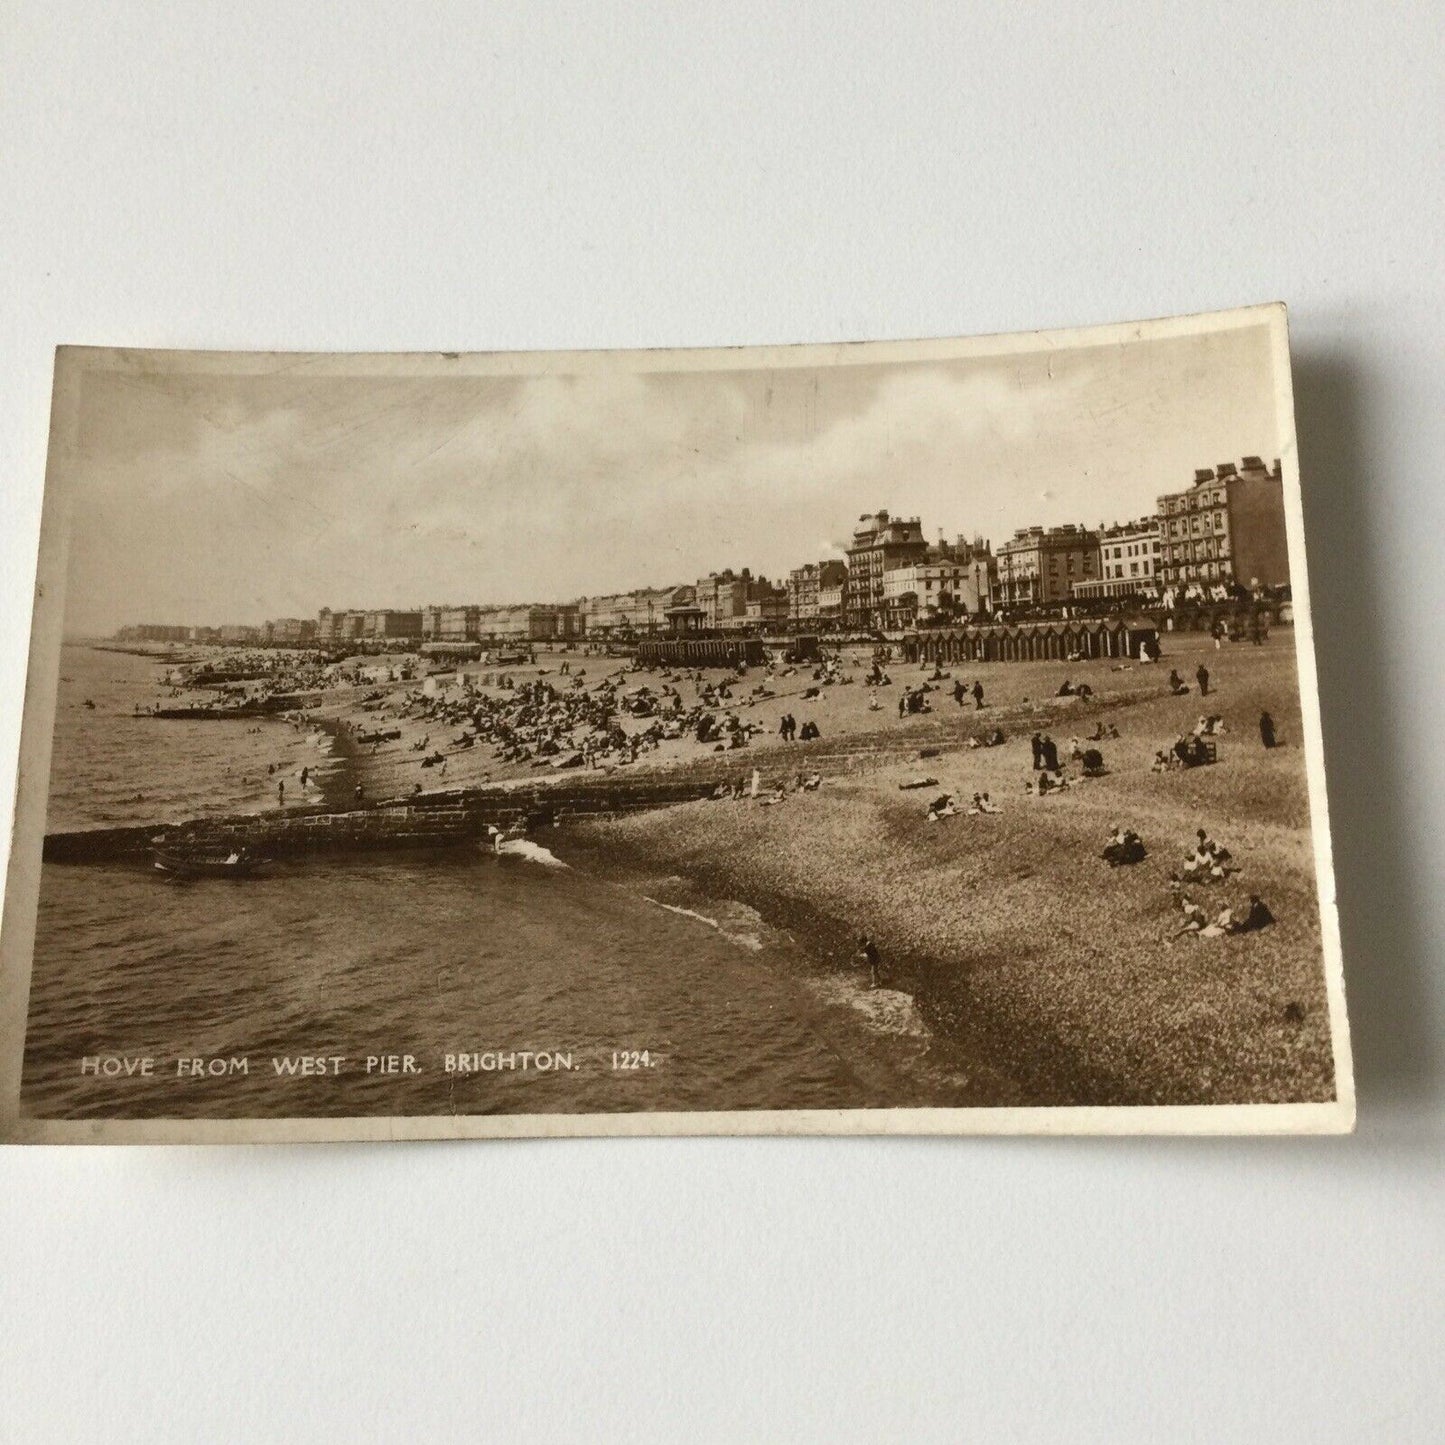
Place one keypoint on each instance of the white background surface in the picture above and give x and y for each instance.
(476, 177)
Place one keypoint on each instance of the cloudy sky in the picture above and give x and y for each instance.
(208, 499)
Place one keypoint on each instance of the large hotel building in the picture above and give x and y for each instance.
(1038, 566)
(1225, 530)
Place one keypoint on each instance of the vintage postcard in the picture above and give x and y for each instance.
(896, 737)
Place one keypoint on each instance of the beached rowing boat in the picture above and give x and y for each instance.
(235, 864)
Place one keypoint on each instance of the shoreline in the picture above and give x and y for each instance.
(1023, 950)
(1019, 1070)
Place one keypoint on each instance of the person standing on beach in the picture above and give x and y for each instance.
(1050, 751)
(1202, 674)
(1036, 743)
(868, 952)
(977, 695)
(281, 795)
(1266, 730)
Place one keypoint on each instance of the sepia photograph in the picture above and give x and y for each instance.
(894, 737)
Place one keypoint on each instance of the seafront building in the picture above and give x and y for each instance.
(767, 607)
(808, 583)
(830, 601)
(154, 632)
(288, 631)
(881, 543)
(617, 614)
(236, 634)
(1225, 531)
(385, 624)
(531, 622)
(734, 601)
(1039, 566)
(1223, 535)
(953, 579)
(1128, 562)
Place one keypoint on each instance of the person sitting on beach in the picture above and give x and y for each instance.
(1103, 732)
(809, 732)
(1188, 751)
(1076, 749)
(1177, 685)
(1160, 763)
(983, 804)
(1209, 848)
(942, 806)
(873, 704)
(1217, 927)
(1092, 763)
(1255, 917)
(1066, 689)
(1195, 918)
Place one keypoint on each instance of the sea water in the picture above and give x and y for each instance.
(414, 983)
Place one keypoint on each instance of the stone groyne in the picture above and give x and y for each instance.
(427, 821)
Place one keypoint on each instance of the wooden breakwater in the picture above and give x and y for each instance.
(268, 706)
(431, 820)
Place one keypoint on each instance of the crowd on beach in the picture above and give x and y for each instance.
(1205, 863)
(573, 715)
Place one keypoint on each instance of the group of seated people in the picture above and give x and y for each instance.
(1244, 919)
(1080, 690)
(1208, 862)
(991, 739)
(1047, 783)
(1189, 750)
(774, 793)
(1125, 846)
(944, 806)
